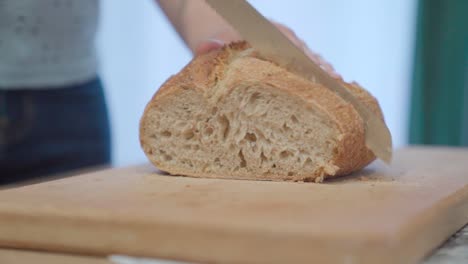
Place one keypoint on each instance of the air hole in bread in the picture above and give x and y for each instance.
(250, 137)
(335, 151)
(285, 154)
(225, 126)
(187, 162)
(243, 162)
(254, 97)
(188, 134)
(294, 119)
(263, 158)
(208, 131)
(166, 133)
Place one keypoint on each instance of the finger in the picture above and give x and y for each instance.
(208, 45)
(217, 41)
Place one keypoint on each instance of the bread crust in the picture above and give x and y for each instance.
(206, 70)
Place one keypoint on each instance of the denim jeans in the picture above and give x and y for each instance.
(50, 131)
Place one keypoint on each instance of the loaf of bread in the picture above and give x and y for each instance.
(231, 114)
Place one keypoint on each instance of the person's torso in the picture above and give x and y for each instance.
(47, 43)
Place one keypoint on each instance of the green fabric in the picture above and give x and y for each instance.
(439, 102)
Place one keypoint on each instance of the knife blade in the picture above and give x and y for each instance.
(270, 43)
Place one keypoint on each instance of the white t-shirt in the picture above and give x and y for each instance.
(47, 43)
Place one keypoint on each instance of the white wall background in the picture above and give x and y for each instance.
(366, 40)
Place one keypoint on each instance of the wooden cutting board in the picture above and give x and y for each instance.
(22, 257)
(394, 214)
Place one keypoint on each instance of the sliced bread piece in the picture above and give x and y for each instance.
(231, 114)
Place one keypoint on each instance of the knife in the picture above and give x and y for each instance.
(270, 43)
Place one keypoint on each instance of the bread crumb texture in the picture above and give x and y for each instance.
(231, 114)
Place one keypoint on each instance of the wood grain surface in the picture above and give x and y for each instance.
(395, 214)
(10, 256)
